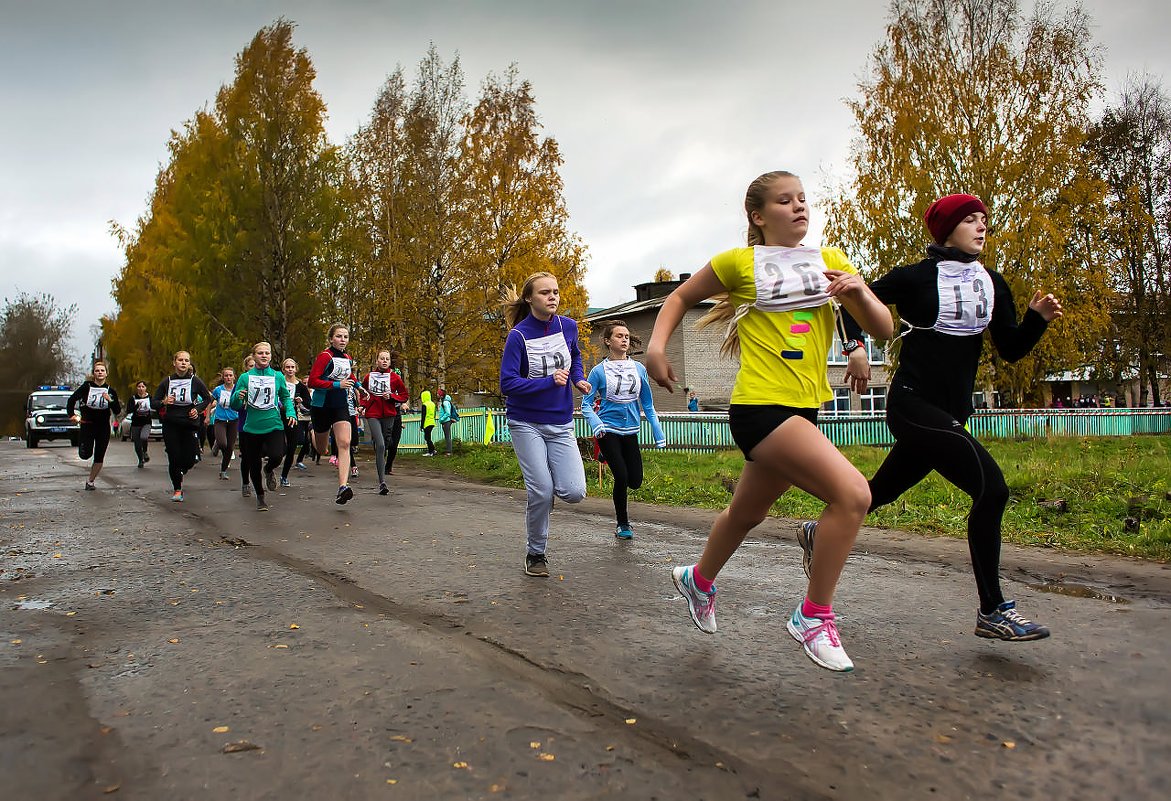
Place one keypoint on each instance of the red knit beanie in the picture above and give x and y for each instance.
(949, 211)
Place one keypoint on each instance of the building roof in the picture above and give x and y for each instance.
(633, 307)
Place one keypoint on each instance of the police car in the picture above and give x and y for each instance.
(45, 416)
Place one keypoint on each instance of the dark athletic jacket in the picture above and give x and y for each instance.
(941, 368)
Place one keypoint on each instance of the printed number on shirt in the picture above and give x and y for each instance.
(547, 355)
(142, 405)
(379, 383)
(180, 390)
(340, 369)
(98, 398)
(789, 278)
(622, 381)
(262, 391)
(965, 298)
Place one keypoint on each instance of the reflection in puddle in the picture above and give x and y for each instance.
(1079, 591)
(33, 604)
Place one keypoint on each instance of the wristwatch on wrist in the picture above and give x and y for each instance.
(851, 346)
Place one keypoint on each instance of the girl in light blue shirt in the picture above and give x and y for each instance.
(622, 392)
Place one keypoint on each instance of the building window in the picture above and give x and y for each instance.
(874, 399)
(840, 404)
(874, 351)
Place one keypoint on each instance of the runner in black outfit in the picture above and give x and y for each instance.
(140, 417)
(947, 300)
(98, 401)
(180, 400)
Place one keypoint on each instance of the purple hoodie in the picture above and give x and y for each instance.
(534, 348)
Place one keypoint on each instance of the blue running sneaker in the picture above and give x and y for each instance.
(805, 533)
(819, 637)
(1006, 623)
(624, 532)
(700, 605)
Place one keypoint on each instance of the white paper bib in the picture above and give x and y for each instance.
(340, 369)
(623, 382)
(788, 278)
(379, 383)
(142, 405)
(180, 390)
(547, 355)
(225, 400)
(262, 391)
(965, 298)
(98, 398)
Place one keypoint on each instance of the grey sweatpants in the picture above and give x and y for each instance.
(552, 467)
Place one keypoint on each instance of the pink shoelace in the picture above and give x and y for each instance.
(829, 627)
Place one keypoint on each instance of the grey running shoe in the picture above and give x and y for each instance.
(700, 605)
(285, 482)
(806, 531)
(261, 504)
(1006, 623)
(270, 480)
(536, 565)
(246, 491)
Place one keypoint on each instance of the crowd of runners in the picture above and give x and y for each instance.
(779, 301)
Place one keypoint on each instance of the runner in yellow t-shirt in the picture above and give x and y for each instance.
(781, 321)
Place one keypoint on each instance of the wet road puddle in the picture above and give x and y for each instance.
(1079, 591)
(32, 603)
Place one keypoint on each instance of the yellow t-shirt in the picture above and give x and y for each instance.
(782, 353)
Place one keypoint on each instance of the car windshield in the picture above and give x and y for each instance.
(49, 401)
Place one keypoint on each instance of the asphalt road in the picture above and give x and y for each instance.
(394, 649)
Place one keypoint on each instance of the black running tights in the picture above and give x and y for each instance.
(625, 460)
(253, 448)
(182, 444)
(928, 438)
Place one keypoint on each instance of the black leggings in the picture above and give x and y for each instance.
(305, 427)
(928, 438)
(293, 436)
(625, 459)
(427, 436)
(182, 444)
(396, 435)
(92, 440)
(254, 447)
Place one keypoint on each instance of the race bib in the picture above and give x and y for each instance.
(622, 381)
(788, 278)
(98, 398)
(180, 390)
(965, 298)
(142, 405)
(225, 400)
(547, 355)
(340, 369)
(379, 383)
(262, 391)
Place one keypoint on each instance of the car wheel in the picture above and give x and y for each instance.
(31, 441)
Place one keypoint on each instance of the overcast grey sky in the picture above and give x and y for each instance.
(664, 109)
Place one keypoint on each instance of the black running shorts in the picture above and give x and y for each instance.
(325, 416)
(752, 424)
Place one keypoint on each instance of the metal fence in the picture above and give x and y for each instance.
(707, 431)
